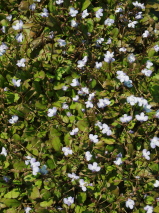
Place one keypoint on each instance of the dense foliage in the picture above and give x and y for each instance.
(79, 106)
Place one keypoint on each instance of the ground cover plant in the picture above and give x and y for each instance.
(79, 104)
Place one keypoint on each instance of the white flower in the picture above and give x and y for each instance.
(128, 83)
(32, 6)
(88, 156)
(14, 119)
(81, 63)
(125, 118)
(122, 49)
(5, 89)
(74, 23)
(68, 114)
(100, 125)
(52, 112)
(109, 41)
(149, 64)
(118, 10)
(146, 154)
(62, 42)
(145, 34)
(64, 88)
(93, 138)
(73, 12)
(139, 15)
(94, 167)
(109, 57)
(27, 209)
(51, 34)
(74, 131)
(118, 161)
(103, 102)
(139, 5)
(19, 37)
(132, 24)
(98, 65)
(131, 58)
(4, 151)
(18, 26)
(148, 209)
(142, 102)
(156, 48)
(16, 82)
(141, 117)
(89, 104)
(83, 91)
(3, 29)
(59, 1)
(109, 21)
(45, 13)
(106, 129)
(20, 63)
(37, 0)
(154, 142)
(9, 18)
(132, 100)
(85, 14)
(75, 82)
(130, 203)
(73, 176)
(65, 106)
(67, 151)
(35, 166)
(99, 13)
(156, 184)
(83, 184)
(91, 96)
(43, 170)
(122, 76)
(3, 48)
(99, 40)
(68, 201)
(157, 114)
(76, 98)
(147, 108)
(146, 72)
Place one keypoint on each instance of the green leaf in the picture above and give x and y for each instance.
(67, 139)
(85, 4)
(4, 135)
(46, 203)
(90, 25)
(51, 164)
(83, 125)
(156, 209)
(13, 194)
(93, 83)
(115, 32)
(10, 202)
(35, 193)
(108, 140)
(80, 209)
(151, 52)
(19, 165)
(45, 194)
(56, 143)
(54, 132)
(81, 197)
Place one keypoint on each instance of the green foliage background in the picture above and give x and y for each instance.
(48, 68)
